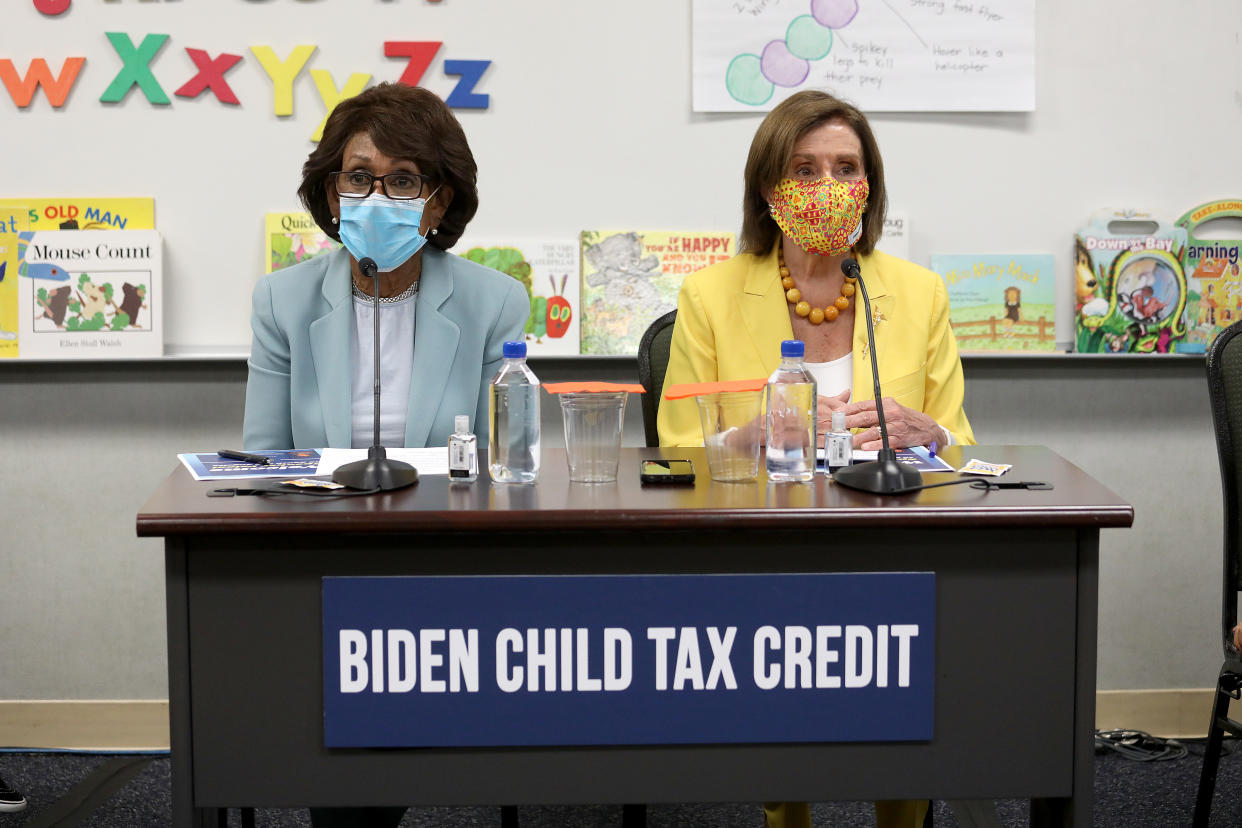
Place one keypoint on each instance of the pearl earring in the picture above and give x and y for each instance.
(434, 231)
(335, 220)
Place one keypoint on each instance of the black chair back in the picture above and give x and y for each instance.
(1224, 369)
(1224, 373)
(653, 351)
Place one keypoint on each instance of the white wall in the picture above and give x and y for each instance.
(589, 126)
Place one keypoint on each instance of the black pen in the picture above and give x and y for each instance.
(241, 455)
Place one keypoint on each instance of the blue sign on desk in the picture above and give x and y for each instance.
(627, 659)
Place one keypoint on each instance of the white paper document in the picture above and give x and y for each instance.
(426, 460)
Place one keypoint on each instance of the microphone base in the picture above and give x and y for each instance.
(883, 475)
(377, 472)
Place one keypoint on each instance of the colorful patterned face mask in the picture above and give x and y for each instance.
(823, 216)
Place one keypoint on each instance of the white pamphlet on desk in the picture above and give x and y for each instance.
(427, 460)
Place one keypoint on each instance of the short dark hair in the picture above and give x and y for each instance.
(404, 122)
(773, 147)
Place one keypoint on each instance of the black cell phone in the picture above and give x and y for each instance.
(666, 471)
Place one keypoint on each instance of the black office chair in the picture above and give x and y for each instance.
(1224, 373)
(652, 363)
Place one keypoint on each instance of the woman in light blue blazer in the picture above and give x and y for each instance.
(392, 173)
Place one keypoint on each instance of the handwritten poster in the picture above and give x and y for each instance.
(882, 55)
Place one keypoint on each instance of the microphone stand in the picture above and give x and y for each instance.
(377, 472)
(884, 475)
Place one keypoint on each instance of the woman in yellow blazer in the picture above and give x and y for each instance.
(814, 168)
(815, 197)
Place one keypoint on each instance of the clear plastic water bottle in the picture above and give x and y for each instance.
(513, 410)
(790, 402)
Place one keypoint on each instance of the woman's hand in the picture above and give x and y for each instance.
(906, 427)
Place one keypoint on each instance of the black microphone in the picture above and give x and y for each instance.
(884, 475)
(377, 472)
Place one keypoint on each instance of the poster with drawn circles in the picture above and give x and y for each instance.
(881, 55)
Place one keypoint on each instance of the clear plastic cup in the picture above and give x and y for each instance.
(731, 431)
(593, 434)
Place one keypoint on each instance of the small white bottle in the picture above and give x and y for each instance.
(463, 452)
(839, 444)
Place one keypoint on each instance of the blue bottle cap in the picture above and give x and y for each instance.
(515, 350)
(793, 348)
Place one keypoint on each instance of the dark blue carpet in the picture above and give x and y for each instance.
(1129, 794)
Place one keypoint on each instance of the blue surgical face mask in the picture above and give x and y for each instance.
(383, 229)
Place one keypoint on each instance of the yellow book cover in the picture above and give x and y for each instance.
(76, 213)
(12, 222)
(291, 238)
(630, 279)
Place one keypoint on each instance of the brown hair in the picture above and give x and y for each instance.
(773, 147)
(404, 122)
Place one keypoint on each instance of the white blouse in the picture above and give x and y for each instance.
(396, 365)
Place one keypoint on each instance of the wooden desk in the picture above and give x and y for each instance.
(1015, 632)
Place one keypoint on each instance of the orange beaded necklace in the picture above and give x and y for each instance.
(802, 307)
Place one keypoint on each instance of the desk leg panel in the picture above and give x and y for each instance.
(180, 734)
(1078, 810)
(1009, 638)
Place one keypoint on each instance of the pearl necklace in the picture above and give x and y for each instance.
(802, 307)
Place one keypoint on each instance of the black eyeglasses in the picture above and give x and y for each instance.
(398, 185)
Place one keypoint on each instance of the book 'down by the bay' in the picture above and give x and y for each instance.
(95, 295)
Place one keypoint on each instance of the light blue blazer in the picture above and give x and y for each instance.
(299, 389)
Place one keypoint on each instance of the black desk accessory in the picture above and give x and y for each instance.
(376, 473)
(884, 475)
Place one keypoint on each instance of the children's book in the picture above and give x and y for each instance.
(1130, 290)
(91, 295)
(631, 278)
(12, 222)
(292, 238)
(548, 270)
(1001, 302)
(84, 213)
(1213, 277)
(895, 241)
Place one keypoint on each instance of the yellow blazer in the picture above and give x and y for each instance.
(732, 318)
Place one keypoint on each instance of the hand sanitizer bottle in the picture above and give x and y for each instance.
(463, 452)
(839, 445)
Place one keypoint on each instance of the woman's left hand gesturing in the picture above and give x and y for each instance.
(906, 427)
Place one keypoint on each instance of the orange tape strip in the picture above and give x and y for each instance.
(577, 387)
(698, 389)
